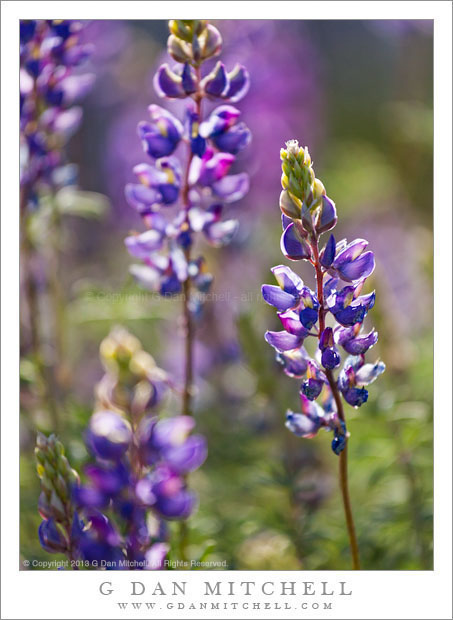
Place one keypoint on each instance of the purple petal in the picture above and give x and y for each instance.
(147, 277)
(291, 323)
(149, 176)
(358, 269)
(369, 373)
(109, 435)
(326, 339)
(282, 341)
(215, 83)
(107, 480)
(141, 197)
(188, 456)
(274, 296)
(156, 555)
(288, 280)
(329, 252)
(294, 362)
(221, 233)
(90, 497)
(350, 315)
(301, 425)
(51, 539)
(350, 252)
(140, 246)
(330, 358)
(312, 388)
(355, 396)
(76, 87)
(154, 144)
(178, 506)
(232, 187)
(172, 431)
(291, 246)
(168, 84)
(238, 83)
(328, 215)
(233, 140)
(213, 167)
(286, 221)
(189, 79)
(356, 345)
(221, 119)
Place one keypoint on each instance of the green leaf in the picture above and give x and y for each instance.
(71, 201)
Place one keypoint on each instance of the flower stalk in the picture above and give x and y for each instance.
(343, 457)
(200, 185)
(335, 311)
(50, 53)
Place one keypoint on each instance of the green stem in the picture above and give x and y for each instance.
(343, 469)
(32, 301)
(189, 330)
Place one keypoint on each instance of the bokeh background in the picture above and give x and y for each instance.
(359, 95)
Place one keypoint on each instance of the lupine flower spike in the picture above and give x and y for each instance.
(333, 314)
(188, 164)
(136, 483)
(51, 87)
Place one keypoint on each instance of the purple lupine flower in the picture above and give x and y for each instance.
(161, 136)
(50, 53)
(205, 187)
(141, 462)
(341, 271)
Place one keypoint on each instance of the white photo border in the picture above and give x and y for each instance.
(375, 594)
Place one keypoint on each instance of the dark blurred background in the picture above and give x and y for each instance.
(359, 95)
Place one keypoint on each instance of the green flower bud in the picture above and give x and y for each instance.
(63, 466)
(56, 477)
(61, 488)
(300, 186)
(57, 507)
(49, 470)
(118, 348)
(40, 456)
(181, 28)
(290, 205)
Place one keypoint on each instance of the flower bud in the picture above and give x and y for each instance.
(327, 216)
(238, 83)
(57, 507)
(168, 84)
(181, 29)
(215, 82)
(290, 205)
(210, 42)
(51, 537)
(178, 49)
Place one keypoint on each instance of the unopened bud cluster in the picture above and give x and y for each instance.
(58, 480)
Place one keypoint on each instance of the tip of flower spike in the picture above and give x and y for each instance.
(292, 146)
